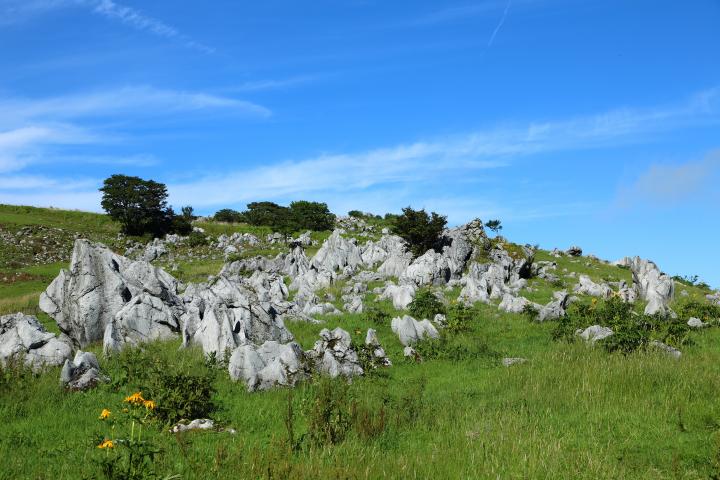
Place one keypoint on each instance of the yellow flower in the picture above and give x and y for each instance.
(149, 404)
(135, 398)
(106, 444)
(104, 414)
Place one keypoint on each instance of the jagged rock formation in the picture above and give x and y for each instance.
(334, 356)
(556, 308)
(337, 252)
(652, 285)
(225, 314)
(430, 268)
(23, 337)
(82, 373)
(268, 365)
(588, 287)
(401, 295)
(85, 299)
(513, 304)
(506, 275)
(410, 331)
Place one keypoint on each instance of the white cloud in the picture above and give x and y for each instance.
(668, 184)
(12, 11)
(128, 101)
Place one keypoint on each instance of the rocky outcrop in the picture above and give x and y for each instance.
(554, 309)
(410, 331)
(401, 295)
(85, 299)
(431, 268)
(269, 365)
(653, 286)
(334, 356)
(83, 373)
(667, 349)
(595, 333)
(337, 252)
(22, 337)
(513, 304)
(489, 281)
(460, 243)
(588, 287)
(224, 314)
(154, 250)
(143, 319)
(574, 251)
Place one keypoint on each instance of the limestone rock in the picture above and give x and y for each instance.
(588, 287)
(333, 354)
(513, 304)
(401, 295)
(23, 336)
(430, 268)
(652, 285)
(696, 323)
(510, 361)
(671, 351)
(336, 253)
(85, 299)
(410, 331)
(82, 373)
(379, 356)
(554, 309)
(268, 365)
(595, 333)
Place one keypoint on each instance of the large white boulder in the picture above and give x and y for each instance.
(401, 295)
(85, 299)
(334, 356)
(652, 285)
(410, 331)
(337, 252)
(269, 365)
(431, 268)
(588, 287)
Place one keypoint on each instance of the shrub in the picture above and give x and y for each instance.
(425, 305)
(702, 310)
(197, 239)
(420, 230)
(329, 417)
(377, 316)
(456, 348)
(311, 216)
(459, 318)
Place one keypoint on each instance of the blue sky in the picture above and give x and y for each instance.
(575, 122)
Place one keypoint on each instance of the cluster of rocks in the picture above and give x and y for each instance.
(37, 244)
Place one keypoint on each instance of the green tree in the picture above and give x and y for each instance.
(264, 214)
(311, 216)
(140, 206)
(188, 213)
(228, 215)
(420, 230)
(494, 225)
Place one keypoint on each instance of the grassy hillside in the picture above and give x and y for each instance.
(572, 411)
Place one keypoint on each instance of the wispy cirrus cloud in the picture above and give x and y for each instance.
(29, 127)
(668, 184)
(17, 10)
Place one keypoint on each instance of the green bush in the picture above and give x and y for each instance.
(197, 239)
(420, 230)
(329, 419)
(459, 318)
(228, 215)
(377, 316)
(694, 308)
(425, 305)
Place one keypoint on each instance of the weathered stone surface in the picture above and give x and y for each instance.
(459, 244)
(395, 264)
(337, 253)
(252, 264)
(354, 305)
(401, 295)
(296, 263)
(513, 304)
(671, 351)
(379, 356)
(269, 365)
(554, 309)
(82, 373)
(410, 331)
(154, 250)
(333, 354)
(485, 282)
(224, 314)
(431, 268)
(23, 336)
(595, 333)
(588, 287)
(696, 323)
(85, 299)
(652, 285)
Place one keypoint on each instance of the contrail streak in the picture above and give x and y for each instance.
(500, 24)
